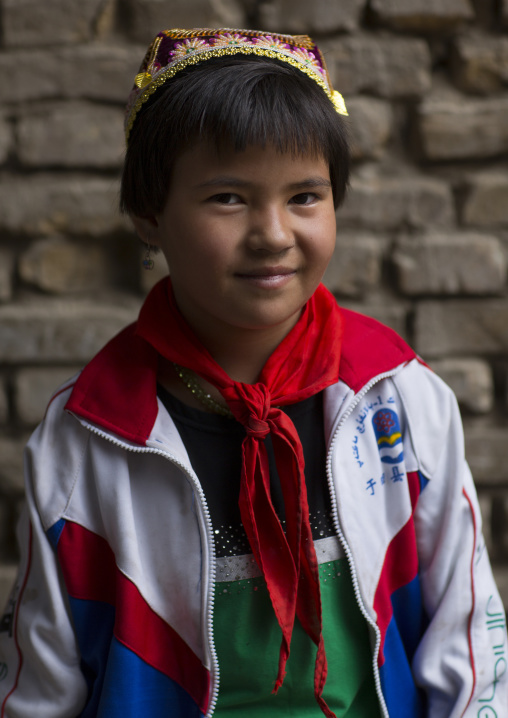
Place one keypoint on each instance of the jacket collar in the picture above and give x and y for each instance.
(117, 390)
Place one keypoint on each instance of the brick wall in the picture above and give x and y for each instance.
(423, 237)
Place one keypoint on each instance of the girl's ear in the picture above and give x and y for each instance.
(147, 229)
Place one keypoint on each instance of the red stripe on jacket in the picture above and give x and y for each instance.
(91, 574)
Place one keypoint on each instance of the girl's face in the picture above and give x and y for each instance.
(247, 236)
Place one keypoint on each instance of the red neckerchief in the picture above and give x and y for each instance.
(304, 363)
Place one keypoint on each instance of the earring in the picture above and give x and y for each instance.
(148, 262)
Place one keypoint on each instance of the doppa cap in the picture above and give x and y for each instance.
(173, 50)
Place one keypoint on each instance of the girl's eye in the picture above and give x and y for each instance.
(225, 198)
(303, 198)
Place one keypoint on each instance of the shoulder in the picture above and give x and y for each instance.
(117, 389)
(426, 405)
(432, 415)
(53, 456)
(369, 349)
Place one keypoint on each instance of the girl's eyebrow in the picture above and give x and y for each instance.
(225, 180)
(310, 183)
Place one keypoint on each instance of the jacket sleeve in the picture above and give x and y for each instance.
(39, 658)
(461, 661)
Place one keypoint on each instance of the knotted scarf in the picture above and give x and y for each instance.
(304, 363)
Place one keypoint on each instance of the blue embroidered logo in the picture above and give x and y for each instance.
(388, 436)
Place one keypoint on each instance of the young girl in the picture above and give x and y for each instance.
(250, 502)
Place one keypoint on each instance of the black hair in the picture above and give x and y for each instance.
(235, 101)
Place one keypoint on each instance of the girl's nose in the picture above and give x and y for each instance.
(270, 230)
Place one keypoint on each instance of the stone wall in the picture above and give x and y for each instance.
(423, 236)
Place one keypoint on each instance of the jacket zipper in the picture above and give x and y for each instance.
(335, 513)
(208, 638)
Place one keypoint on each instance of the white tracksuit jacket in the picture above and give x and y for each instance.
(112, 611)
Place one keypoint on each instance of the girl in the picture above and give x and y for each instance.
(250, 502)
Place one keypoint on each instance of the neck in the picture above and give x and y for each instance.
(243, 353)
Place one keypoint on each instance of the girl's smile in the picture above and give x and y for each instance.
(247, 236)
(269, 277)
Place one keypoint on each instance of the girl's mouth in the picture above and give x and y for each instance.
(268, 278)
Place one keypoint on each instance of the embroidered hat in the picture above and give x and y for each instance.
(173, 50)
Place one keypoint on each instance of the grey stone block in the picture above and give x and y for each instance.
(461, 327)
(301, 16)
(355, 267)
(486, 451)
(145, 18)
(486, 201)
(61, 331)
(494, 508)
(389, 67)
(33, 388)
(451, 263)
(382, 203)
(371, 124)
(422, 15)
(71, 134)
(11, 466)
(6, 274)
(48, 204)
(6, 139)
(458, 128)
(98, 71)
(7, 577)
(53, 22)
(471, 381)
(480, 63)
(56, 265)
(104, 21)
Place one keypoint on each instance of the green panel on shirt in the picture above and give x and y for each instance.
(247, 638)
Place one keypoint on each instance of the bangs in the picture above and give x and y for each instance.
(260, 102)
(236, 102)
